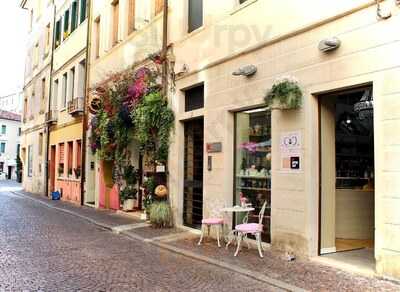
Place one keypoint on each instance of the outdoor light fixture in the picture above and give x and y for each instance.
(330, 44)
(247, 71)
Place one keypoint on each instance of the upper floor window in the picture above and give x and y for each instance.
(48, 39)
(83, 14)
(195, 15)
(19, 132)
(66, 24)
(3, 129)
(36, 55)
(58, 33)
(3, 147)
(131, 16)
(115, 21)
(159, 6)
(74, 15)
(97, 29)
(64, 90)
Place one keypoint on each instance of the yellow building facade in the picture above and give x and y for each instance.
(67, 99)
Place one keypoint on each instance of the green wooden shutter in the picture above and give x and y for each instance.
(74, 15)
(66, 21)
(83, 11)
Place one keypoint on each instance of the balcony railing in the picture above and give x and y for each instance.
(51, 116)
(75, 106)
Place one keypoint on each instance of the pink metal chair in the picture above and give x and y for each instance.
(243, 230)
(218, 222)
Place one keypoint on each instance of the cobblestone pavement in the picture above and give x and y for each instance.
(303, 273)
(43, 249)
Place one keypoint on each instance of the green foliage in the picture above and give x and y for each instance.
(129, 192)
(161, 215)
(154, 121)
(149, 185)
(285, 94)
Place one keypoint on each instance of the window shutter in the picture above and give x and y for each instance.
(83, 11)
(61, 160)
(159, 6)
(74, 15)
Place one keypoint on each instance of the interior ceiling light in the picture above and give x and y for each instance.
(365, 107)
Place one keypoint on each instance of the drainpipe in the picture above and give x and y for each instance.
(46, 182)
(165, 50)
(85, 100)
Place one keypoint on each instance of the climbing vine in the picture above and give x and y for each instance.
(131, 107)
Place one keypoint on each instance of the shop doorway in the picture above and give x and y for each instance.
(193, 173)
(9, 173)
(347, 197)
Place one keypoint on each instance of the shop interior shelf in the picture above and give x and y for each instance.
(253, 189)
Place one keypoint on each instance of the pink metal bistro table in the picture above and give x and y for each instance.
(235, 209)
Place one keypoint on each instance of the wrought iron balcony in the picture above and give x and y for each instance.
(51, 116)
(75, 106)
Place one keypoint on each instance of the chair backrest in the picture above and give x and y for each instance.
(261, 214)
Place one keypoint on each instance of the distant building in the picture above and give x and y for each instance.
(10, 132)
(12, 102)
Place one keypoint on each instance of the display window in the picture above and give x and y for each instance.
(253, 165)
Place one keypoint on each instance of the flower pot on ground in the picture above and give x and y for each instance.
(285, 94)
(127, 197)
(161, 215)
(128, 205)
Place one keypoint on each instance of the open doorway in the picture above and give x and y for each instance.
(347, 197)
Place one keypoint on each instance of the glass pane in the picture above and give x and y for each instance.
(253, 165)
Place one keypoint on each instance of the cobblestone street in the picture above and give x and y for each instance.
(43, 249)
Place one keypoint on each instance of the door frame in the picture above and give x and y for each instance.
(318, 96)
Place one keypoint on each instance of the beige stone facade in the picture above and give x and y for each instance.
(281, 38)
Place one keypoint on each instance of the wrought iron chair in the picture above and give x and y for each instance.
(243, 230)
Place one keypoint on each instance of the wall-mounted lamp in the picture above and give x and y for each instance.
(247, 71)
(330, 44)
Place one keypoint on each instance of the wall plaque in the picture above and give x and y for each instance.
(214, 147)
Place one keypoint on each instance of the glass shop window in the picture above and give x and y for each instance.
(253, 165)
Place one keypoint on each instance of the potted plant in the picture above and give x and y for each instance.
(284, 94)
(60, 169)
(129, 192)
(149, 186)
(77, 172)
(127, 197)
(161, 214)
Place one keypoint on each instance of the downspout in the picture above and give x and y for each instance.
(85, 100)
(164, 51)
(49, 107)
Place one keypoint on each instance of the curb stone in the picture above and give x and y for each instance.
(251, 274)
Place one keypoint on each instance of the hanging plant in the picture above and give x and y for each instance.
(284, 94)
(154, 121)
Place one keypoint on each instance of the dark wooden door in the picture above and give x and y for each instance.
(193, 173)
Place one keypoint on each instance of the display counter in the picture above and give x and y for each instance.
(354, 213)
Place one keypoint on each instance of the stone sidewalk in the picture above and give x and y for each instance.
(299, 275)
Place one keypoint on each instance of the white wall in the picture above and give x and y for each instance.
(12, 139)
